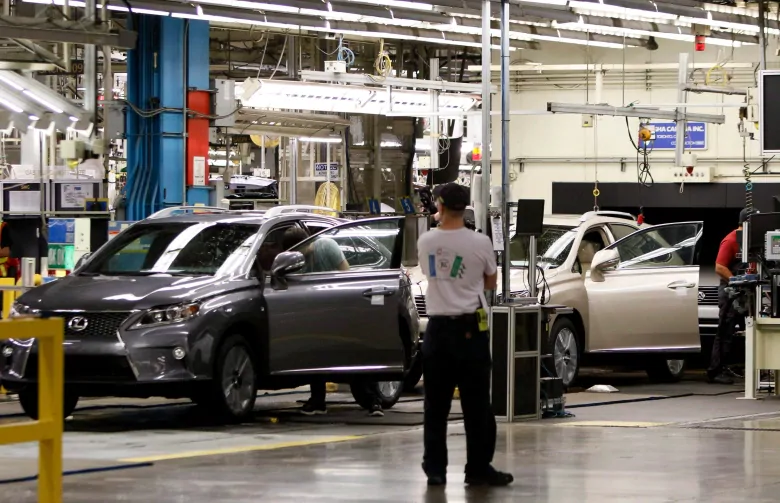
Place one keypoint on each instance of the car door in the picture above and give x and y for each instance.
(325, 319)
(647, 300)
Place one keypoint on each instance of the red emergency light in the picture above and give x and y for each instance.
(700, 43)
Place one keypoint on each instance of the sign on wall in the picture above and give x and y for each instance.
(320, 170)
(665, 136)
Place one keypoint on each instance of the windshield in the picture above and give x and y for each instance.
(552, 247)
(187, 248)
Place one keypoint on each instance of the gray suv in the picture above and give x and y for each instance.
(206, 304)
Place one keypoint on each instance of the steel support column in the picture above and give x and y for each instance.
(160, 70)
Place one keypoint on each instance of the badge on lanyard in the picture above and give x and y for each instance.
(482, 320)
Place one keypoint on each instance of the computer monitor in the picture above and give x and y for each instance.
(758, 225)
(530, 217)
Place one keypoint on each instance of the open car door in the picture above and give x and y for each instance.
(339, 312)
(645, 298)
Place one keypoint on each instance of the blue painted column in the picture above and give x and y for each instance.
(159, 72)
(198, 80)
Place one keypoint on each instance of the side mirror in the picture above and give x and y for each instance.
(287, 262)
(80, 262)
(603, 260)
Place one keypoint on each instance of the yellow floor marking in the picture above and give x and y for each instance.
(613, 424)
(238, 450)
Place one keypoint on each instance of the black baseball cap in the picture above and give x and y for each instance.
(452, 196)
(745, 214)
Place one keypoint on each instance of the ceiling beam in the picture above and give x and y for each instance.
(65, 32)
(42, 53)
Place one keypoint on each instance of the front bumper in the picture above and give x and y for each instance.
(108, 352)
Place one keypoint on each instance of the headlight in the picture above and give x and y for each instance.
(168, 315)
(21, 310)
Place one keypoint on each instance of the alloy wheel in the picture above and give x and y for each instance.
(566, 355)
(675, 366)
(389, 389)
(238, 380)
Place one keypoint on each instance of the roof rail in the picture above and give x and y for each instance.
(615, 214)
(297, 208)
(174, 210)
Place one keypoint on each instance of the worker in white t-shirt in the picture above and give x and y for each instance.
(460, 265)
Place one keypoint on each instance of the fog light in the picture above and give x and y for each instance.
(8, 351)
(178, 353)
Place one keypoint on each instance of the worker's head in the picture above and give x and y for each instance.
(293, 236)
(451, 200)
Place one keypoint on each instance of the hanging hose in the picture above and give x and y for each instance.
(748, 183)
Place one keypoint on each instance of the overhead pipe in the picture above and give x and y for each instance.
(505, 287)
(487, 53)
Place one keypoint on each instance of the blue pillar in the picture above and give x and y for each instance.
(159, 71)
(198, 80)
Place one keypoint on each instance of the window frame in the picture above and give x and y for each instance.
(395, 254)
(655, 228)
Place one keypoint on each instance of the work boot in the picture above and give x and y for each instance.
(492, 477)
(314, 409)
(719, 379)
(434, 479)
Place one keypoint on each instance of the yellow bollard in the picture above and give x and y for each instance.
(8, 296)
(456, 396)
(331, 387)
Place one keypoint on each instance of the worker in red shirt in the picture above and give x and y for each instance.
(726, 265)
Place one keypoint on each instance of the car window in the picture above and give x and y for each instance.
(205, 248)
(273, 245)
(553, 247)
(664, 246)
(358, 246)
(619, 231)
(315, 227)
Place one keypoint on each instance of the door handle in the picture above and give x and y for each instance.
(680, 284)
(384, 292)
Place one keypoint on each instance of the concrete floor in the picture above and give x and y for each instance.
(702, 446)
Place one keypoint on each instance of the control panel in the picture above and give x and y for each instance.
(772, 245)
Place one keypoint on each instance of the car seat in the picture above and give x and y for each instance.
(585, 255)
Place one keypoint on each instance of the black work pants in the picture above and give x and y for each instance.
(455, 353)
(317, 392)
(728, 319)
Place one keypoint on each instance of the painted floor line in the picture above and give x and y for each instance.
(613, 424)
(239, 450)
(83, 471)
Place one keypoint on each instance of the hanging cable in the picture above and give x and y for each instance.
(643, 174)
(344, 53)
(383, 65)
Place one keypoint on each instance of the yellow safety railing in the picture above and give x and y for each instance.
(6, 285)
(47, 430)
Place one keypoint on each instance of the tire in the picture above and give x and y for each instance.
(663, 370)
(232, 392)
(389, 392)
(564, 344)
(28, 399)
(415, 374)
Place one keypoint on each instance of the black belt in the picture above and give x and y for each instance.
(460, 317)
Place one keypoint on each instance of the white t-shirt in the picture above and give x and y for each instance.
(455, 263)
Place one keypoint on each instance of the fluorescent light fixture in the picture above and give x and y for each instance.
(42, 101)
(350, 99)
(320, 139)
(401, 4)
(33, 117)
(10, 106)
(118, 8)
(11, 83)
(634, 33)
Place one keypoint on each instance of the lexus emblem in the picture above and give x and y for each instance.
(78, 323)
(702, 296)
